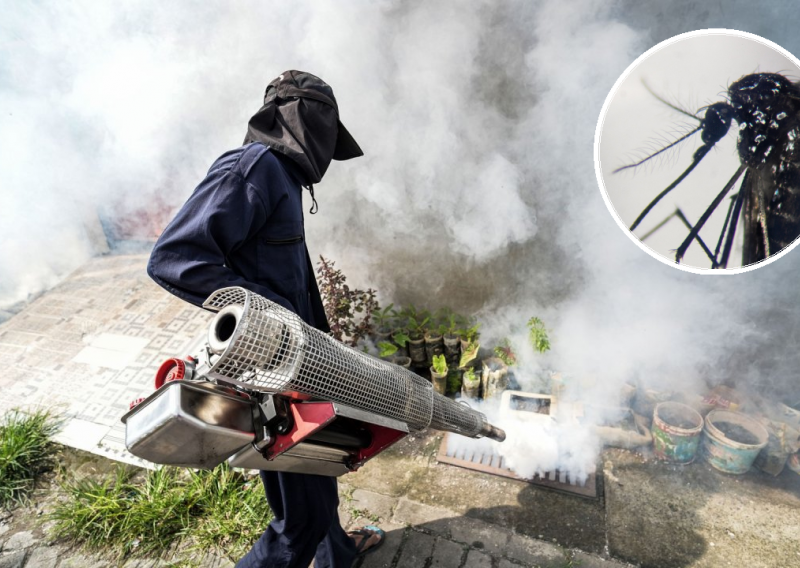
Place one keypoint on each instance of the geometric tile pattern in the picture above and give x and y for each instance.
(63, 351)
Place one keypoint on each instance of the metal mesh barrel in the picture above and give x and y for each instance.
(262, 346)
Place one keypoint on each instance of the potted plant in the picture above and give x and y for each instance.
(494, 377)
(468, 335)
(416, 324)
(454, 380)
(401, 339)
(434, 345)
(451, 338)
(468, 354)
(384, 318)
(386, 350)
(439, 374)
(505, 353)
(471, 384)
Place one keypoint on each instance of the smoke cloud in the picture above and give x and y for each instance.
(477, 189)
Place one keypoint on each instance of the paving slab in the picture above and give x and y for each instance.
(415, 513)
(417, 549)
(370, 503)
(385, 555)
(532, 551)
(478, 559)
(447, 554)
(478, 534)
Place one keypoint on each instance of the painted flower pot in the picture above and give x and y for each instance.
(732, 440)
(676, 432)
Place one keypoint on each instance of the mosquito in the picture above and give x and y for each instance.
(766, 108)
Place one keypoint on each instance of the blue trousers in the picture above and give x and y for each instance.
(305, 527)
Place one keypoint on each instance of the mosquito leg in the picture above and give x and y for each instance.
(698, 155)
(762, 220)
(725, 224)
(699, 225)
(679, 214)
(737, 209)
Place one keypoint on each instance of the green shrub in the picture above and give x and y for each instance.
(25, 452)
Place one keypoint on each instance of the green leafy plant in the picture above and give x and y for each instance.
(416, 322)
(505, 353)
(26, 452)
(384, 318)
(386, 349)
(417, 328)
(400, 338)
(439, 365)
(470, 376)
(469, 334)
(342, 304)
(453, 382)
(469, 354)
(537, 334)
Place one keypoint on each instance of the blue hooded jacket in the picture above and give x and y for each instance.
(242, 226)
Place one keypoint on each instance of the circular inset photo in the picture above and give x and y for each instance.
(697, 151)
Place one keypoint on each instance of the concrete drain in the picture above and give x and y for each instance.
(493, 464)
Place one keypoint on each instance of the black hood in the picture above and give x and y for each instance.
(300, 120)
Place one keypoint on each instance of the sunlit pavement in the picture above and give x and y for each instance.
(93, 343)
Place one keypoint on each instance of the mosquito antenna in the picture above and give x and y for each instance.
(664, 149)
(699, 225)
(698, 155)
(737, 208)
(669, 104)
(679, 140)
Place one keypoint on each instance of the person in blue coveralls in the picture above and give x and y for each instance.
(243, 226)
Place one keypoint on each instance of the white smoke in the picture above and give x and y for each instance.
(477, 188)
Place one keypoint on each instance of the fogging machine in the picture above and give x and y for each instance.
(271, 392)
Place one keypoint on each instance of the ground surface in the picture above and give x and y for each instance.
(94, 342)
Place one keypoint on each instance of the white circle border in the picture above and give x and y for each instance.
(598, 133)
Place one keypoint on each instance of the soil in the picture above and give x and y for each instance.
(737, 433)
(677, 419)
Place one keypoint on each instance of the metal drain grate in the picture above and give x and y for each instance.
(494, 464)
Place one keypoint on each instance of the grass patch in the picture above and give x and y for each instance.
(25, 453)
(219, 509)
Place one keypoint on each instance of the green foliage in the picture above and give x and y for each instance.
(342, 304)
(470, 376)
(469, 354)
(385, 318)
(469, 334)
(218, 509)
(505, 353)
(538, 335)
(439, 365)
(453, 382)
(417, 328)
(415, 321)
(25, 453)
(400, 338)
(387, 349)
